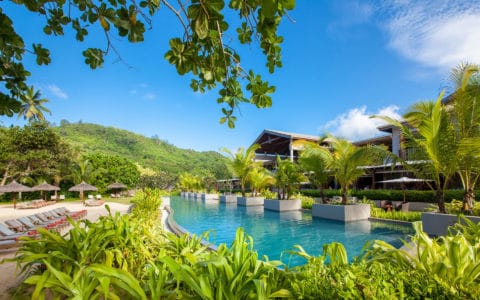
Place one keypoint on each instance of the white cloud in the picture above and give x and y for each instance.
(149, 96)
(58, 92)
(435, 33)
(356, 124)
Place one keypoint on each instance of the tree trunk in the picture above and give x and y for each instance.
(344, 196)
(468, 200)
(243, 189)
(441, 201)
(322, 195)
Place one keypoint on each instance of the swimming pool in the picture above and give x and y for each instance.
(274, 232)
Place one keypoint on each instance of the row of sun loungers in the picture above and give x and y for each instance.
(55, 219)
(35, 204)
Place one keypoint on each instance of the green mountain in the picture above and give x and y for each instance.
(150, 153)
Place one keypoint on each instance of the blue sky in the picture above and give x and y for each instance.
(342, 61)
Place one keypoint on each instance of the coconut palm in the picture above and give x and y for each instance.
(287, 178)
(344, 160)
(427, 130)
(259, 179)
(241, 163)
(313, 164)
(82, 171)
(32, 107)
(464, 111)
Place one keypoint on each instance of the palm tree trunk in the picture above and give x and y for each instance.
(440, 197)
(468, 200)
(322, 195)
(344, 195)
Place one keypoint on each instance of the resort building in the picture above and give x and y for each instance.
(275, 143)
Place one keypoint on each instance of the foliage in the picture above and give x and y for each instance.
(34, 152)
(307, 202)
(112, 168)
(267, 194)
(457, 207)
(259, 179)
(242, 163)
(201, 50)
(162, 180)
(147, 204)
(189, 182)
(32, 105)
(153, 153)
(287, 178)
(408, 216)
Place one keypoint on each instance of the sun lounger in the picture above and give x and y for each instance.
(94, 202)
(15, 225)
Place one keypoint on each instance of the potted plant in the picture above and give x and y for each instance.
(344, 161)
(258, 179)
(241, 163)
(287, 180)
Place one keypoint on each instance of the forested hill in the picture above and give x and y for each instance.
(152, 153)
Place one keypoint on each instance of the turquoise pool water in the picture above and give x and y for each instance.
(274, 232)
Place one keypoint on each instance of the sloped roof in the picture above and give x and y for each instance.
(277, 142)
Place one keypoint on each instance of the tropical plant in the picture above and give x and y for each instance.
(241, 163)
(344, 160)
(427, 130)
(189, 182)
(82, 170)
(259, 179)
(287, 178)
(314, 165)
(32, 107)
(464, 109)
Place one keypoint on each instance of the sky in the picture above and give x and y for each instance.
(342, 62)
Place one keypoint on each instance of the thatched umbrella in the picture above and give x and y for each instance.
(15, 187)
(81, 187)
(45, 187)
(116, 186)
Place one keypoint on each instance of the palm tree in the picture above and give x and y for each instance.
(344, 160)
(242, 162)
(82, 171)
(427, 129)
(259, 179)
(464, 111)
(287, 178)
(313, 164)
(32, 107)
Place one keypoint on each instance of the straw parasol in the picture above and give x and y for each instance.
(403, 181)
(81, 187)
(45, 187)
(15, 187)
(116, 186)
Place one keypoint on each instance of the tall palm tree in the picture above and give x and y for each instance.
(464, 111)
(32, 107)
(287, 178)
(313, 164)
(427, 129)
(241, 163)
(82, 171)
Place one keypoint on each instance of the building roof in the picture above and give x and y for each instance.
(375, 140)
(277, 142)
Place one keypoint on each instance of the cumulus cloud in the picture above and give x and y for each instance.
(435, 33)
(58, 92)
(356, 124)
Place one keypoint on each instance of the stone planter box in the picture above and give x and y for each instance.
(250, 201)
(228, 199)
(190, 195)
(198, 196)
(436, 224)
(344, 213)
(209, 196)
(282, 205)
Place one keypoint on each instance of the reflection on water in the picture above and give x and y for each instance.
(275, 232)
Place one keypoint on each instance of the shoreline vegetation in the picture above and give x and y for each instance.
(132, 256)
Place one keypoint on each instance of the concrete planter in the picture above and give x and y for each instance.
(228, 199)
(209, 196)
(436, 224)
(198, 196)
(344, 213)
(190, 195)
(282, 205)
(250, 201)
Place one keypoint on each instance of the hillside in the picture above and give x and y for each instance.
(148, 152)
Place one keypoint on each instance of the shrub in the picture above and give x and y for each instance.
(307, 202)
(408, 216)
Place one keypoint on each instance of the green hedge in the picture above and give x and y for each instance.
(393, 195)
